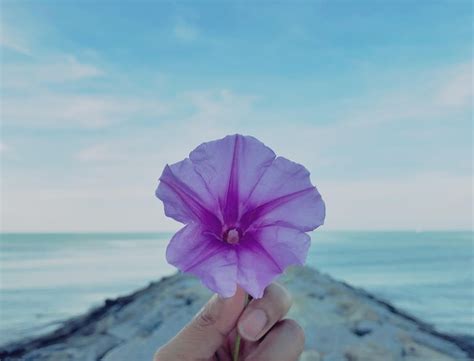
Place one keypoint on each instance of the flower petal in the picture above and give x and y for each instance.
(195, 251)
(284, 195)
(266, 252)
(287, 246)
(256, 267)
(231, 167)
(186, 197)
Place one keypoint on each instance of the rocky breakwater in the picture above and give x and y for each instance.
(341, 323)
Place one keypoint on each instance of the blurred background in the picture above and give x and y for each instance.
(374, 98)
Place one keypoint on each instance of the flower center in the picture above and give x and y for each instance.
(232, 236)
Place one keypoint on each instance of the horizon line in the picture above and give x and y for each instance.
(174, 231)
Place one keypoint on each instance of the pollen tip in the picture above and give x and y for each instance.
(233, 236)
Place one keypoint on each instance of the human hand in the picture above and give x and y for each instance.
(210, 336)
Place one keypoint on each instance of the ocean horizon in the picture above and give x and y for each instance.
(46, 278)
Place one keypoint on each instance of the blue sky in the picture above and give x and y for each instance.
(375, 98)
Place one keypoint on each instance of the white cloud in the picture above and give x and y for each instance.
(69, 111)
(457, 90)
(422, 201)
(218, 109)
(109, 185)
(88, 208)
(30, 97)
(116, 191)
(13, 41)
(219, 101)
(8, 151)
(118, 175)
(57, 69)
(4, 148)
(216, 114)
(100, 153)
(185, 31)
(428, 201)
(448, 91)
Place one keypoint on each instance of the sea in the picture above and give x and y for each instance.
(47, 278)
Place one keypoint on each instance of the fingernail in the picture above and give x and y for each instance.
(252, 324)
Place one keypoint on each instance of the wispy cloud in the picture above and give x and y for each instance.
(448, 91)
(31, 97)
(412, 202)
(77, 111)
(43, 72)
(457, 90)
(4, 148)
(222, 105)
(416, 201)
(185, 31)
(214, 114)
(13, 41)
(101, 153)
(379, 152)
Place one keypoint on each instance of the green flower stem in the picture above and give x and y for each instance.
(235, 355)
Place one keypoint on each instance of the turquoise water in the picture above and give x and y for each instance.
(45, 278)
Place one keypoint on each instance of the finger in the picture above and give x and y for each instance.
(261, 314)
(285, 342)
(206, 332)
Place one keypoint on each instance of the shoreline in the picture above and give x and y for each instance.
(344, 320)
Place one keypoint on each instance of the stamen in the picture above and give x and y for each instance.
(233, 236)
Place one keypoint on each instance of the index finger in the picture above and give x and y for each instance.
(261, 314)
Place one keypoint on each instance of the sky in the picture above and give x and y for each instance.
(374, 98)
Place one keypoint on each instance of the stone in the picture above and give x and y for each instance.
(341, 323)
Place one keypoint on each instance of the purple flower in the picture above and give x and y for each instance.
(246, 213)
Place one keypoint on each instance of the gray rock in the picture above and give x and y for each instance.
(341, 323)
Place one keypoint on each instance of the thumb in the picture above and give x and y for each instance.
(208, 330)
